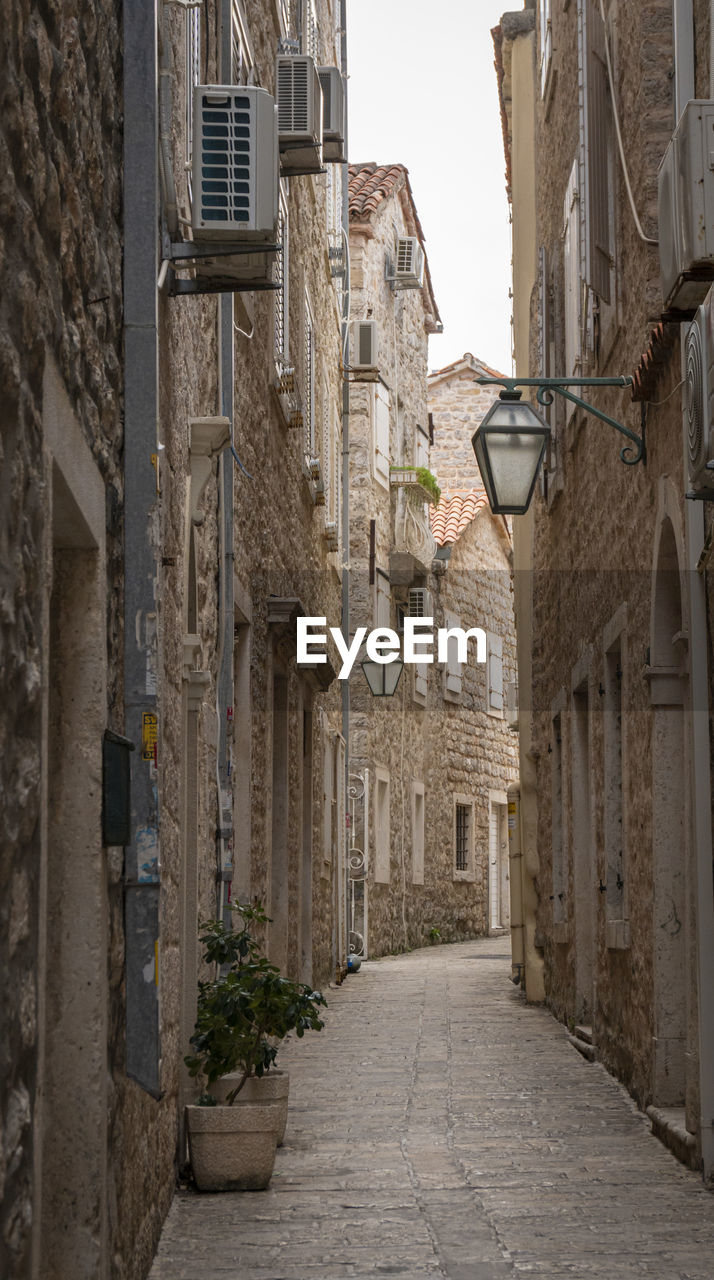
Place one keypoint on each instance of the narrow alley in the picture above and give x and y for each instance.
(439, 1126)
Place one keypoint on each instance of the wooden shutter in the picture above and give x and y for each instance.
(571, 273)
(597, 113)
(495, 675)
(381, 433)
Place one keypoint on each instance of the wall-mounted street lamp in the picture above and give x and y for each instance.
(383, 677)
(510, 441)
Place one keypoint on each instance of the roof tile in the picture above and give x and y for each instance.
(455, 512)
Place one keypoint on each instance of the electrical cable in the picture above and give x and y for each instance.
(621, 148)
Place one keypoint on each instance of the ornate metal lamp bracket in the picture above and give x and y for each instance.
(548, 388)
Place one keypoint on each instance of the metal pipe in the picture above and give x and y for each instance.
(226, 603)
(345, 461)
(141, 532)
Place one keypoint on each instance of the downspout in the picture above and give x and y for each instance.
(141, 538)
(226, 605)
(344, 870)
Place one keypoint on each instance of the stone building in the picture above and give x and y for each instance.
(612, 561)
(429, 761)
(171, 438)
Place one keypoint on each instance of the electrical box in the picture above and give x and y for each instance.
(686, 209)
(235, 164)
(333, 115)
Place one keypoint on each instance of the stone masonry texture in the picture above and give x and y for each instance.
(439, 1126)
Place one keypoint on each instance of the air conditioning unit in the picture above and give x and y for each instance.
(686, 209)
(420, 605)
(699, 356)
(247, 270)
(364, 344)
(333, 114)
(235, 163)
(409, 264)
(299, 100)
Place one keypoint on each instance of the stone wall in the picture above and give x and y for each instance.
(594, 549)
(60, 213)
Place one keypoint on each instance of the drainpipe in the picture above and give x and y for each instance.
(342, 960)
(226, 606)
(141, 536)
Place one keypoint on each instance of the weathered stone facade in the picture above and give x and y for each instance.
(607, 599)
(428, 757)
(79, 1124)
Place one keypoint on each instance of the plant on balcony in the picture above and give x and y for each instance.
(418, 479)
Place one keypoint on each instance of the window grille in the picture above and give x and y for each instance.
(309, 29)
(193, 69)
(597, 132)
(308, 380)
(463, 836)
(282, 347)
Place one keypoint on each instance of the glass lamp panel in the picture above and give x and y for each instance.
(514, 458)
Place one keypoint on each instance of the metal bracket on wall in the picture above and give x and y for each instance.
(548, 388)
(186, 253)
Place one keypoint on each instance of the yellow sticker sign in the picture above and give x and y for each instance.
(149, 735)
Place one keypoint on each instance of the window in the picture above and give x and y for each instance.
(421, 447)
(572, 276)
(494, 675)
(556, 775)
(546, 48)
(417, 832)
(308, 379)
(383, 600)
(381, 822)
(242, 58)
(380, 412)
(453, 669)
(613, 790)
(282, 8)
(282, 309)
(463, 837)
(328, 797)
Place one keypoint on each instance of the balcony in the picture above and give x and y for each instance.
(413, 545)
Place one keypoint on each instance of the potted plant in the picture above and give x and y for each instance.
(243, 1015)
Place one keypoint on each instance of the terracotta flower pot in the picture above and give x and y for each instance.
(270, 1088)
(232, 1148)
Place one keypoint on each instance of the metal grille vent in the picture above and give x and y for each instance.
(696, 436)
(405, 257)
(293, 108)
(224, 192)
(419, 603)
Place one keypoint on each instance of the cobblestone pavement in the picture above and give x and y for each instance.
(440, 1127)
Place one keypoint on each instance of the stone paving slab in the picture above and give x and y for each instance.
(441, 1128)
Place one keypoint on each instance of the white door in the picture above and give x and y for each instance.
(494, 871)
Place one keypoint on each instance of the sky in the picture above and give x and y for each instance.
(423, 93)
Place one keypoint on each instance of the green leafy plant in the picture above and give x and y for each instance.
(434, 935)
(428, 481)
(245, 1012)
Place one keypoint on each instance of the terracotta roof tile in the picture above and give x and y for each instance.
(370, 184)
(454, 512)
